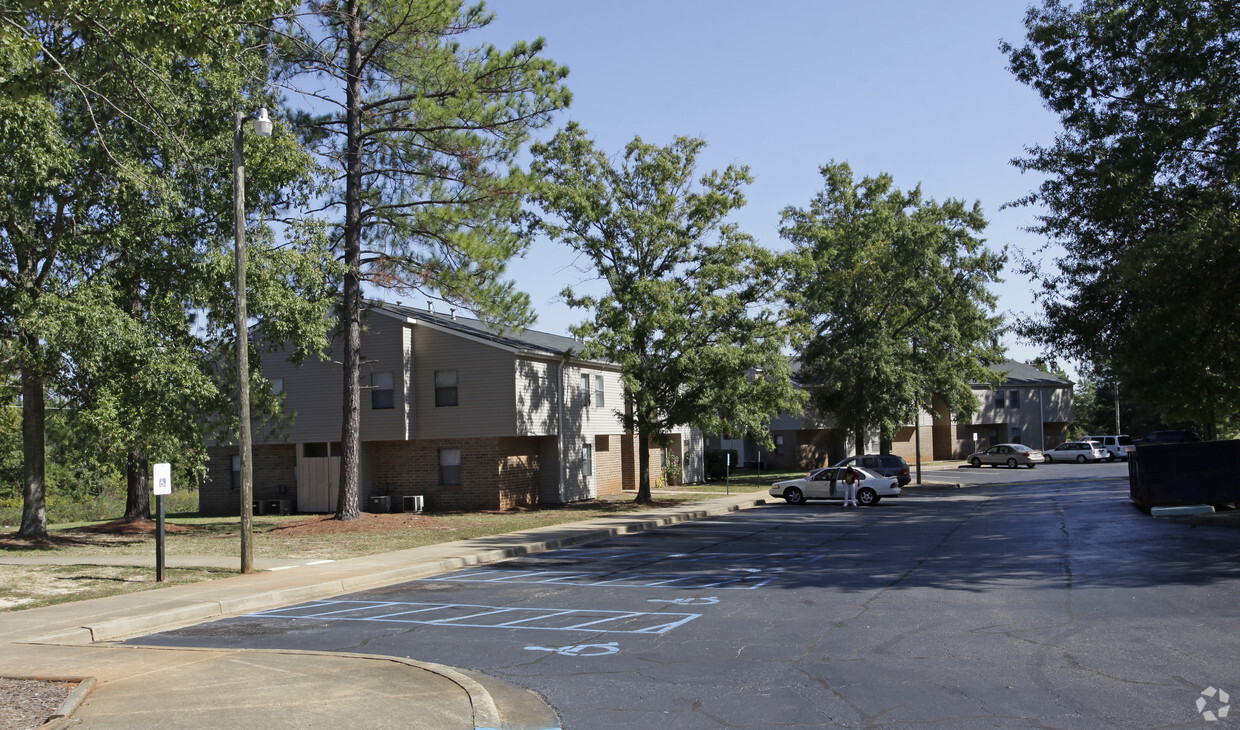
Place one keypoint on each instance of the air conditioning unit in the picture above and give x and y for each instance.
(412, 503)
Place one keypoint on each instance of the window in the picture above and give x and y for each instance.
(450, 466)
(999, 399)
(598, 391)
(779, 445)
(587, 460)
(1014, 399)
(320, 450)
(445, 388)
(381, 391)
(236, 471)
(277, 386)
(585, 390)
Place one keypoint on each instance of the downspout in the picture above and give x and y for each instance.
(1042, 414)
(559, 444)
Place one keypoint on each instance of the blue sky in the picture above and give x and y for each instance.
(912, 88)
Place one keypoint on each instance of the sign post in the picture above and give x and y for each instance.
(163, 485)
(727, 474)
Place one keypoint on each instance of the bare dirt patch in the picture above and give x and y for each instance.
(367, 522)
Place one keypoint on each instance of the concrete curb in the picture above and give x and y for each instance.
(121, 628)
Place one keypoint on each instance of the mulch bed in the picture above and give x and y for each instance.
(28, 703)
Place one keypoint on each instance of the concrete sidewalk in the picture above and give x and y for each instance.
(187, 688)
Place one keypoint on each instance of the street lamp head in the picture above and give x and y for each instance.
(262, 125)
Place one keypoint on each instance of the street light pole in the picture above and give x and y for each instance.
(262, 126)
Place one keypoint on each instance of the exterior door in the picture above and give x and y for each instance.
(318, 477)
(822, 485)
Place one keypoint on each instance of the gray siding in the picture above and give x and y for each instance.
(313, 393)
(486, 388)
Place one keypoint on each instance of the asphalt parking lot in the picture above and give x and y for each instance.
(1061, 606)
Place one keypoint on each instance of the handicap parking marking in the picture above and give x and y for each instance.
(490, 617)
(607, 649)
(705, 601)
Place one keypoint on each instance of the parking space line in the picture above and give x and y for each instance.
(475, 616)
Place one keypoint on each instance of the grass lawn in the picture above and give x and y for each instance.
(290, 537)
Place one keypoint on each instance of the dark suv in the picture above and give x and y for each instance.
(888, 465)
(1170, 437)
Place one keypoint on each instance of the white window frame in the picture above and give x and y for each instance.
(442, 387)
(446, 459)
(382, 391)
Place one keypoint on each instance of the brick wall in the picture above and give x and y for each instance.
(496, 473)
(609, 464)
(274, 472)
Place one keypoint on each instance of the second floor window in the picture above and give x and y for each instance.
(999, 400)
(381, 395)
(598, 391)
(585, 390)
(445, 388)
(1014, 399)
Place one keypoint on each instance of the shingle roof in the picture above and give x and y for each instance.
(1019, 373)
(523, 339)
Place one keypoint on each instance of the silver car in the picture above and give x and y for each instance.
(1078, 451)
(1013, 455)
(828, 483)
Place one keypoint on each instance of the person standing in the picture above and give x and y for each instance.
(850, 487)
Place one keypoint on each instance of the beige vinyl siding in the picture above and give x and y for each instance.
(486, 390)
(537, 406)
(591, 419)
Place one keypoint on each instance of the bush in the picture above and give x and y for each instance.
(717, 462)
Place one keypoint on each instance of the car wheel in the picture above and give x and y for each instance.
(1031, 465)
(1080, 459)
(794, 495)
(1050, 459)
(1012, 463)
(976, 462)
(867, 496)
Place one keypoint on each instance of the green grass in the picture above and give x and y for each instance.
(275, 536)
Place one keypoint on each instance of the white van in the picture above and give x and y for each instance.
(1120, 447)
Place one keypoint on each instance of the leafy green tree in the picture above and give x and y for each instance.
(424, 134)
(889, 293)
(1141, 192)
(116, 140)
(686, 313)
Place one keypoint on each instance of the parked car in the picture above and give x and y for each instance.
(1078, 451)
(887, 465)
(828, 483)
(1118, 446)
(1178, 436)
(1013, 455)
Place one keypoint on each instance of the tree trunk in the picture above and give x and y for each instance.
(859, 440)
(34, 429)
(137, 496)
(643, 466)
(350, 311)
